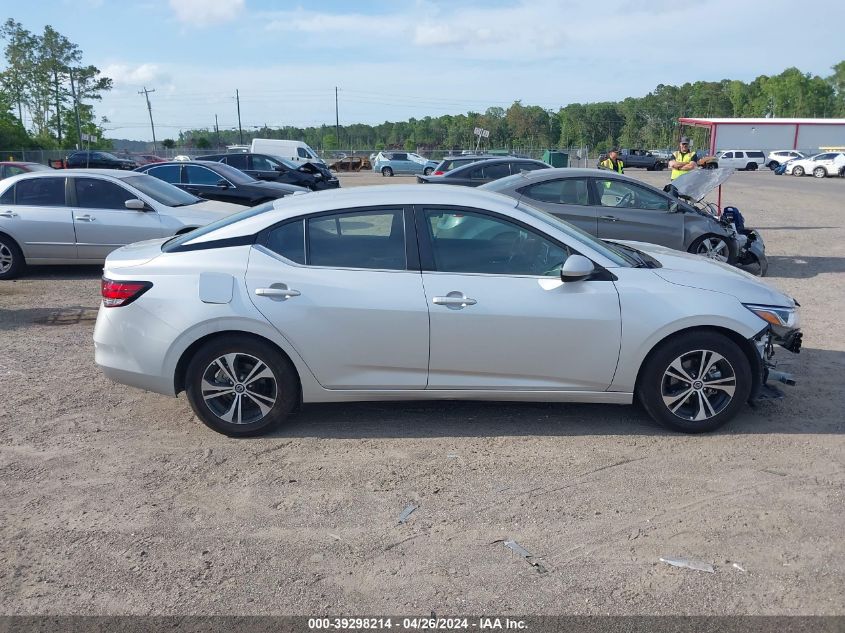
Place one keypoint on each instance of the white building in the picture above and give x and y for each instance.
(804, 135)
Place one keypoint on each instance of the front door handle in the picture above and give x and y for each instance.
(277, 292)
(609, 218)
(85, 218)
(8, 214)
(454, 300)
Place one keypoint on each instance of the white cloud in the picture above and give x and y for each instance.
(201, 13)
(353, 24)
(132, 74)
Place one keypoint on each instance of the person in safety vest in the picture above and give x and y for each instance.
(612, 161)
(683, 160)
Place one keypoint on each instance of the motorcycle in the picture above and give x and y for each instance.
(694, 186)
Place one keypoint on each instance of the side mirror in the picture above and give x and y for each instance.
(135, 205)
(674, 207)
(223, 184)
(576, 268)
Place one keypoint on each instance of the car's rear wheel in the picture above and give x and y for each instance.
(797, 171)
(773, 164)
(239, 386)
(428, 171)
(695, 382)
(712, 246)
(11, 258)
(386, 171)
(820, 172)
(751, 167)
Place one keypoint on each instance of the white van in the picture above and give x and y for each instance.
(294, 151)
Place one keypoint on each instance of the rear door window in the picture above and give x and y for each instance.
(197, 175)
(238, 161)
(360, 239)
(167, 173)
(41, 192)
(563, 191)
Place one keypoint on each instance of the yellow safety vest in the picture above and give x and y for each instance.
(681, 158)
(608, 164)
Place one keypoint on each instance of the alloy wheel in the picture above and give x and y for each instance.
(714, 248)
(698, 385)
(239, 388)
(7, 258)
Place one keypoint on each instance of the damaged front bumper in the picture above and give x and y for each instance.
(764, 344)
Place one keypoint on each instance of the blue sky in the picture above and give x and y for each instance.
(395, 60)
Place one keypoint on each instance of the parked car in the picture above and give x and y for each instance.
(97, 159)
(451, 162)
(820, 165)
(776, 158)
(426, 293)
(483, 171)
(80, 216)
(146, 159)
(390, 163)
(745, 159)
(13, 168)
(314, 176)
(638, 158)
(216, 181)
(612, 206)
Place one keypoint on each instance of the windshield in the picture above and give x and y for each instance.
(160, 191)
(611, 252)
(234, 175)
(177, 241)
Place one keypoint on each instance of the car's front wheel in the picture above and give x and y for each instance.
(797, 171)
(11, 258)
(820, 172)
(695, 382)
(239, 386)
(712, 246)
(428, 171)
(751, 167)
(386, 171)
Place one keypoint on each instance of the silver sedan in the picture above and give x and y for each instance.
(79, 216)
(430, 292)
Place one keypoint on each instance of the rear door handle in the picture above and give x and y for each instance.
(8, 214)
(609, 218)
(277, 292)
(85, 218)
(454, 300)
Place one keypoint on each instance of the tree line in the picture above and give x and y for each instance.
(47, 95)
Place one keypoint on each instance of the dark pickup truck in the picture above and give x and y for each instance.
(639, 158)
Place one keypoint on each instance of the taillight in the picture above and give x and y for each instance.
(121, 293)
(439, 173)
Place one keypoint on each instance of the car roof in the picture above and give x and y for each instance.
(64, 173)
(20, 162)
(204, 163)
(541, 175)
(351, 197)
(494, 161)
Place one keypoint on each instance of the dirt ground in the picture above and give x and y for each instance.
(116, 501)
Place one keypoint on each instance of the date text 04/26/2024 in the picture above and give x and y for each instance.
(416, 624)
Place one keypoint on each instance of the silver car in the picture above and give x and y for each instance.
(616, 207)
(80, 216)
(421, 292)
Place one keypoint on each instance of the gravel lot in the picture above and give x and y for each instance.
(117, 501)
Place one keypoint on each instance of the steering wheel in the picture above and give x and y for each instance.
(626, 200)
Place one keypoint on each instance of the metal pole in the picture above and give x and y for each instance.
(240, 130)
(146, 93)
(217, 131)
(76, 109)
(336, 119)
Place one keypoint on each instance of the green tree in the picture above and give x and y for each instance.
(168, 143)
(203, 143)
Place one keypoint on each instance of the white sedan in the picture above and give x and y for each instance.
(78, 216)
(431, 292)
(820, 165)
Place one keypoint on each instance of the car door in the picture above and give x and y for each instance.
(727, 160)
(240, 161)
(205, 183)
(103, 223)
(346, 291)
(500, 317)
(628, 211)
(568, 199)
(264, 168)
(399, 163)
(33, 211)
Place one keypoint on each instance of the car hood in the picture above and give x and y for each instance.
(204, 212)
(699, 182)
(695, 271)
(277, 187)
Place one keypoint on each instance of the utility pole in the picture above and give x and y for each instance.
(146, 94)
(240, 130)
(76, 109)
(217, 131)
(336, 119)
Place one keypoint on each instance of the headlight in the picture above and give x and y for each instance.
(776, 316)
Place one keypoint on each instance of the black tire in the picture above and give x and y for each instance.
(798, 170)
(751, 167)
(705, 245)
(386, 171)
(11, 258)
(820, 172)
(277, 392)
(661, 387)
(773, 164)
(428, 171)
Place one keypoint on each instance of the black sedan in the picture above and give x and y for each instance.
(96, 159)
(275, 169)
(484, 171)
(216, 181)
